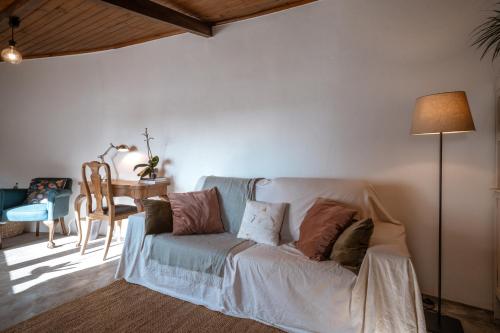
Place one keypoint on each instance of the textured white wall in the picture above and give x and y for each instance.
(323, 90)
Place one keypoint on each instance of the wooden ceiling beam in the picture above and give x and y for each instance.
(165, 14)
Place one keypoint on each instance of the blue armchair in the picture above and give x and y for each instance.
(14, 207)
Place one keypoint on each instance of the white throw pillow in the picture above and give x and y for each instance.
(262, 222)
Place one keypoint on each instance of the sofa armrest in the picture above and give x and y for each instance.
(11, 198)
(58, 203)
(132, 246)
(386, 294)
(57, 194)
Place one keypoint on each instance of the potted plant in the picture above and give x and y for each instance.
(150, 169)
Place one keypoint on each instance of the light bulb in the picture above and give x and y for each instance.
(11, 55)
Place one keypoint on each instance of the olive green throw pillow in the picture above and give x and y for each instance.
(158, 216)
(350, 248)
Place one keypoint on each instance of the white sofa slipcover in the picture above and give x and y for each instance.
(281, 287)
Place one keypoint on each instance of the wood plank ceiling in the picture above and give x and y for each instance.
(62, 27)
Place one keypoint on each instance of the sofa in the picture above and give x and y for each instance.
(278, 285)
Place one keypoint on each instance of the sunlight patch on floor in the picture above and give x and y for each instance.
(34, 264)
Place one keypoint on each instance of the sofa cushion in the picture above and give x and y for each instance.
(158, 217)
(278, 285)
(196, 213)
(200, 253)
(233, 194)
(262, 222)
(39, 187)
(32, 212)
(350, 248)
(323, 224)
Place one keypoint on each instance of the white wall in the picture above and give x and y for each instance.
(323, 90)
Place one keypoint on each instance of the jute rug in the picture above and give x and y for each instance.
(123, 307)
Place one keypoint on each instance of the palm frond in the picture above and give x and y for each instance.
(487, 35)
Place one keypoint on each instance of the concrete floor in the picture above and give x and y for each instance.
(34, 279)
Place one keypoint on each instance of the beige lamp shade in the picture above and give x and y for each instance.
(442, 113)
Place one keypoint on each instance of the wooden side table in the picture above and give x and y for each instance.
(123, 188)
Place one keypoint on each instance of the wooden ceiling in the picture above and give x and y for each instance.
(62, 27)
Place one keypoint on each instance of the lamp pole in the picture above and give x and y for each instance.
(446, 112)
(440, 222)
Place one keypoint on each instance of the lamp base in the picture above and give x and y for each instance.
(448, 324)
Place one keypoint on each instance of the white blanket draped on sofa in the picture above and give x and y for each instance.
(281, 287)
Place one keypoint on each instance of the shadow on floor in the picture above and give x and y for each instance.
(91, 245)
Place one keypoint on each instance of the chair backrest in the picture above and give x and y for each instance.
(67, 186)
(101, 188)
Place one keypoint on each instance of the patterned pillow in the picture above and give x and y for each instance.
(262, 222)
(39, 189)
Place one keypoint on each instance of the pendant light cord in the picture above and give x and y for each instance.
(13, 23)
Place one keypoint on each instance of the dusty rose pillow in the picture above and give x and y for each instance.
(196, 213)
(322, 225)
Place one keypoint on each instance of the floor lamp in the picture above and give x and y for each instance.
(439, 114)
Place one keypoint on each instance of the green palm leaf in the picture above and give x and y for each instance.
(487, 35)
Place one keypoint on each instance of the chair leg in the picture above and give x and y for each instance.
(52, 227)
(109, 236)
(87, 235)
(37, 230)
(64, 231)
(77, 205)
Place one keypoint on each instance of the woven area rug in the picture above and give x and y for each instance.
(124, 307)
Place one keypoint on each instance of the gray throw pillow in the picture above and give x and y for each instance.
(350, 248)
(158, 216)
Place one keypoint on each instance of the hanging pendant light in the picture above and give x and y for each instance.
(10, 54)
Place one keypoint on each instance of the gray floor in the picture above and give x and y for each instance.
(34, 279)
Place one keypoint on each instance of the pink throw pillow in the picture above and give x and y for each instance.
(196, 213)
(322, 225)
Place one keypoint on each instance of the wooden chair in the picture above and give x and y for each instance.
(102, 191)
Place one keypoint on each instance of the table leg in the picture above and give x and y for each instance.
(139, 205)
(78, 205)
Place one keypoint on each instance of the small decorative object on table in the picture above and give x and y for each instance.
(150, 167)
(152, 181)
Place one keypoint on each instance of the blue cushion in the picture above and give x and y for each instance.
(34, 212)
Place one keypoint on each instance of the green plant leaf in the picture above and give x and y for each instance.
(140, 166)
(146, 171)
(154, 161)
